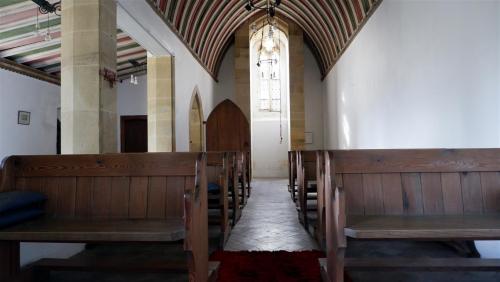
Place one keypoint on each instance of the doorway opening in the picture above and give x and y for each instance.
(196, 124)
(134, 134)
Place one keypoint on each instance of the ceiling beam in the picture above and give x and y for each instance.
(142, 31)
(28, 71)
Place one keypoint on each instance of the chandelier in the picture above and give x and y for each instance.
(46, 8)
(270, 6)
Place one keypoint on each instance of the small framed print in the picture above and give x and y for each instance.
(308, 137)
(23, 117)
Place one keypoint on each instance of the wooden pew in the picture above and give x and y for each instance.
(234, 189)
(307, 187)
(432, 194)
(113, 198)
(248, 168)
(292, 174)
(218, 170)
(241, 161)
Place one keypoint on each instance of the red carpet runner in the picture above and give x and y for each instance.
(277, 266)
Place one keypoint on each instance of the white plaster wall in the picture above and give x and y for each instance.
(224, 89)
(313, 95)
(419, 74)
(132, 100)
(18, 92)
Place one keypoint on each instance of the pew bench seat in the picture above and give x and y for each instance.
(445, 227)
(96, 230)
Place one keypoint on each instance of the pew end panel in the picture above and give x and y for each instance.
(307, 188)
(119, 198)
(420, 194)
(218, 171)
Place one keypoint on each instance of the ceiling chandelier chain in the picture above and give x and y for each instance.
(270, 6)
(45, 7)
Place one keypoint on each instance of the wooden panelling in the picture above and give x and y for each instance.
(373, 194)
(66, 197)
(432, 193)
(412, 193)
(416, 160)
(353, 187)
(83, 203)
(138, 207)
(120, 193)
(490, 183)
(430, 189)
(175, 190)
(156, 197)
(471, 192)
(392, 193)
(155, 164)
(452, 193)
(101, 197)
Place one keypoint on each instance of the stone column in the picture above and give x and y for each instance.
(242, 69)
(160, 104)
(88, 101)
(297, 111)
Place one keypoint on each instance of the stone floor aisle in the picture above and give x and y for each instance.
(269, 221)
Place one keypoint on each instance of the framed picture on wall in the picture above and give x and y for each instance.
(308, 137)
(23, 117)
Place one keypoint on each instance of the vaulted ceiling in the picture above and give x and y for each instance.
(21, 43)
(206, 27)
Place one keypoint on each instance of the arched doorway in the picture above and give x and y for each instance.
(196, 124)
(228, 128)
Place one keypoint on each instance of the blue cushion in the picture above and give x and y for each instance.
(213, 187)
(19, 216)
(19, 199)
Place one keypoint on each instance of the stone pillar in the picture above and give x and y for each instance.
(242, 69)
(160, 104)
(88, 101)
(297, 111)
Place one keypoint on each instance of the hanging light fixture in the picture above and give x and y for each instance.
(48, 37)
(46, 8)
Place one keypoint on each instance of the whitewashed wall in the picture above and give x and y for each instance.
(420, 74)
(313, 95)
(224, 89)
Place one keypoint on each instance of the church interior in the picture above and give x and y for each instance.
(249, 140)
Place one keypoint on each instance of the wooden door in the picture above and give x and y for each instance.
(134, 134)
(196, 126)
(228, 129)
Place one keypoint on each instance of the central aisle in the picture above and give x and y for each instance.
(269, 221)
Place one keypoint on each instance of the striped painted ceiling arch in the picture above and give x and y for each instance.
(207, 26)
(22, 43)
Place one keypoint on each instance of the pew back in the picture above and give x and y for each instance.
(120, 187)
(418, 182)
